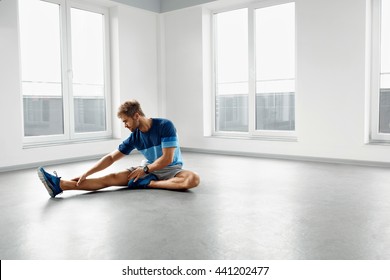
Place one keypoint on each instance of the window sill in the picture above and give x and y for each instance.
(67, 142)
(379, 142)
(256, 137)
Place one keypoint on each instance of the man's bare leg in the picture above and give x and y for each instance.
(182, 181)
(94, 184)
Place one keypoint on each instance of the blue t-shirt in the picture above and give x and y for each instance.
(162, 134)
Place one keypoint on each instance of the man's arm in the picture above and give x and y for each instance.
(163, 161)
(103, 163)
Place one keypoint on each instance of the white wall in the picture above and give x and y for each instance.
(183, 72)
(137, 58)
(134, 69)
(331, 83)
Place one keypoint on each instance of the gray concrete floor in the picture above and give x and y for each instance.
(244, 208)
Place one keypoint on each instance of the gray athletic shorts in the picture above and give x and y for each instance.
(167, 172)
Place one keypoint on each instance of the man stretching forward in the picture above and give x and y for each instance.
(155, 138)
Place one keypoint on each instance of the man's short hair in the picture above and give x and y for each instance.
(130, 108)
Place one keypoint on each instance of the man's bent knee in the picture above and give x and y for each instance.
(192, 181)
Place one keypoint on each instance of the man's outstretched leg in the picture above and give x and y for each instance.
(55, 185)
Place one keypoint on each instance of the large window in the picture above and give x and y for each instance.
(380, 101)
(65, 75)
(254, 51)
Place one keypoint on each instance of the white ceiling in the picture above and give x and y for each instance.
(161, 6)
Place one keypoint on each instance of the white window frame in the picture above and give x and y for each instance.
(252, 132)
(70, 135)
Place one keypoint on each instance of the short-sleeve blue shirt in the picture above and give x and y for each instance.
(162, 134)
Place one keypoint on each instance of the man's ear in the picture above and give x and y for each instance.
(136, 116)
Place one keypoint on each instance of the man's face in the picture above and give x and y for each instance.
(131, 123)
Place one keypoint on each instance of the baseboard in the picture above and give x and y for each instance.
(290, 157)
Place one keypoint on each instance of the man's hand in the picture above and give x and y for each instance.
(80, 179)
(136, 173)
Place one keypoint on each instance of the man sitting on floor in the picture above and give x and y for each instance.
(155, 138)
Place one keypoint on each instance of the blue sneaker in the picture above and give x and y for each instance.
(143, 182)
(51, 183)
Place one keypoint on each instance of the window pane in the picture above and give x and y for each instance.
(232, 112)
(384, 98)
(88, 70)
(385, 44)
(41, 67)
(275, 111)
(385, 39)
(275, 67)
(384, 111)
(232, 70)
